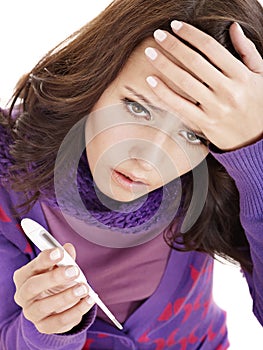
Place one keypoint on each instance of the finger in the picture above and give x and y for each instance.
(246, 49)
(210, 47)
(188, 112)
(178, 76)
(37, 284)
(65, 321)
(43, 262)
(57, 303)
(191, 59)
(70, 249)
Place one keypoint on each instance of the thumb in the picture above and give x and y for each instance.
(70, 249)
(246, 49)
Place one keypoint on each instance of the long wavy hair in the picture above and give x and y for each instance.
(64, 86)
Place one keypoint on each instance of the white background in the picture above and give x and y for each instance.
(28, 30)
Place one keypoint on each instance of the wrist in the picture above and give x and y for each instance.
(214, 149)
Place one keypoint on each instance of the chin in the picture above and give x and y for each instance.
(126, 197)
(121, 195)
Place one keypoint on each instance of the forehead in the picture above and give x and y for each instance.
(138, 61)
(138, 67)
(139, 50)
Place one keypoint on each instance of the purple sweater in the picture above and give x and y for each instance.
(112, 272)
(180, 314)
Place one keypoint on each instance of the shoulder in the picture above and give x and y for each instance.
(5, 143)
(10, 227)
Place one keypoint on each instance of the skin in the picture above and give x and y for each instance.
(47, 296)
(157, 151)
(236, 92)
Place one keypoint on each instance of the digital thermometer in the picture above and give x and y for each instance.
(44, 240)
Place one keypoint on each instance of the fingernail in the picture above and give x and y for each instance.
(151, 53)
(176, 25)
(239, 28)
(90, 301)
(160, 35)
(55, 254)
(152, 81)
(71, 271)
(80, 290)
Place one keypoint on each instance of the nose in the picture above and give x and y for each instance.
(143, 164)
(149, 154)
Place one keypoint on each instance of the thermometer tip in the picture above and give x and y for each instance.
(117, 323)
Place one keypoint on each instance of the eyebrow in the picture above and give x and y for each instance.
(144, 99)
(157, 109)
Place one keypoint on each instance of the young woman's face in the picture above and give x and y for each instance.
(133, 144)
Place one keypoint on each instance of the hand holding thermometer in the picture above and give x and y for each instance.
(44, 240)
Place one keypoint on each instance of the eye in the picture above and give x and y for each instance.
(191, 137)
(137, 110)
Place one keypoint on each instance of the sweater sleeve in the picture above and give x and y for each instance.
(16, 332)
(245, 166)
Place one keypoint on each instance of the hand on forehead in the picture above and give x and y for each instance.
(137, 69)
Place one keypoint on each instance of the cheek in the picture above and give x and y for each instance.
(170, 158)
(95, 150)
(184, 158)
(91, 152)
(107, 147)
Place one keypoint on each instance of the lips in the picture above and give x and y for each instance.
(129, 181)
(133, 177)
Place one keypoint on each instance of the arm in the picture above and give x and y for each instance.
(245, 166)
(16, 331)
(228, 113)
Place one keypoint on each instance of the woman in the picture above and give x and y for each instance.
(135, 117)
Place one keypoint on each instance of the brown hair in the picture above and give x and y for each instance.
(68, 81)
